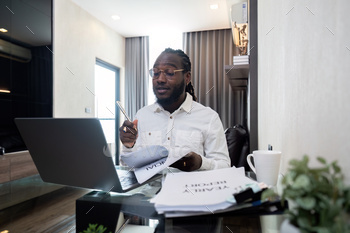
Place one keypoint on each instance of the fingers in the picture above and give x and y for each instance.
(181, 165)
(135, 123)
(127, 128)
(131, 125)
(189, 162)
(128, 133)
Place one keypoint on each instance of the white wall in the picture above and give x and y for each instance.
(78, 39)
(304, 83)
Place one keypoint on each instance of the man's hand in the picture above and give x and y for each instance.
(128, 133)
(189, 162)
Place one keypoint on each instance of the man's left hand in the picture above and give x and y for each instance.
(190, 162)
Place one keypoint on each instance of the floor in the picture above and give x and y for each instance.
(52, 213)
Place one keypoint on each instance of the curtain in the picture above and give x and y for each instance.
(136, 73)
(209, 52)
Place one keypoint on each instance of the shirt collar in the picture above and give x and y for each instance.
(186, 105)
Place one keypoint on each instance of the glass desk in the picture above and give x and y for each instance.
(107, 208)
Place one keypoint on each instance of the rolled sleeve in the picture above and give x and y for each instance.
(215, 147)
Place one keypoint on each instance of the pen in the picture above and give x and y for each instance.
(126, 116)
(123, 111)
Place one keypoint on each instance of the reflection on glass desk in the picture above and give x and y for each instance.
(112, 209)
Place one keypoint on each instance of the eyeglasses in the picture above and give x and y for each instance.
(169, 73)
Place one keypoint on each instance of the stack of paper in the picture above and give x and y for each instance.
(203, 191)
(241, 60)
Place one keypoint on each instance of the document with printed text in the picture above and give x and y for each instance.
(148, 161)
(202, 191)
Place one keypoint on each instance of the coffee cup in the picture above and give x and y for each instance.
(266, 165)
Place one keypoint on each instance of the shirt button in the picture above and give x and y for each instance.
(168, 138)
(149, 133)
(171, 117)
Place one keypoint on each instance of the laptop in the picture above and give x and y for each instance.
(74, 152)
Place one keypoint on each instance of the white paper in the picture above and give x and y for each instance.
(151, 160)
(144, 173)
(144, 156)
(174, 214)
(206, 191)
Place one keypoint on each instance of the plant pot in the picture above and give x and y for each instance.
(286, 227)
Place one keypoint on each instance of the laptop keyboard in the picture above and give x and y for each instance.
(127, 178)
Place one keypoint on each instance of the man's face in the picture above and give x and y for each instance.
(166, 90)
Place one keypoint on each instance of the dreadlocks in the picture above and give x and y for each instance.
(186, 63)
(189, 89)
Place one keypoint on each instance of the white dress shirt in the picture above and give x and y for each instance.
(191, 128)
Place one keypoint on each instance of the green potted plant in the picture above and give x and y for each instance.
(95, 228)
(318, 199)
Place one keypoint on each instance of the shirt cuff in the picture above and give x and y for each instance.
(206, 163)
(126, 149)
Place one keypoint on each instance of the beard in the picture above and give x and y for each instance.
(177, 92)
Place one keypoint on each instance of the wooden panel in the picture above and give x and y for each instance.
(14, 166)
(53, 212)
(4, 169)
(22, 166)
(5, 189)
(246, 224)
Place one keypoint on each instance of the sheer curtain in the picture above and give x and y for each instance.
(136, 73)
(209, 52)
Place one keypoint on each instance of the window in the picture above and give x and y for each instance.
(107, 93)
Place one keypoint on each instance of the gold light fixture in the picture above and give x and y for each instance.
(3, 30)
(4, 91)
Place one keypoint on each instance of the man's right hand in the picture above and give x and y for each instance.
(128, 133)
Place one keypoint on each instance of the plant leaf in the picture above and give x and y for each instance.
(302, 181)
(307, 203)
(321, 160)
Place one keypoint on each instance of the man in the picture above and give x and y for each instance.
(176, 121)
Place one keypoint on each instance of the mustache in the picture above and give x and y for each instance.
(161, 86)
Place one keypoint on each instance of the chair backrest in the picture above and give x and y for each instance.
(237, 138)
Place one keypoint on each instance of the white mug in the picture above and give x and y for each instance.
(267, 165)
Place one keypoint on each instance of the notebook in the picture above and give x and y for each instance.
(74, 152)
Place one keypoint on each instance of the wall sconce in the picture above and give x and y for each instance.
(5, 91)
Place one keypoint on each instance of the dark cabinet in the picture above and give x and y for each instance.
(26, 84)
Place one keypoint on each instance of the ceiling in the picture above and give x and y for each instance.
(29, 21)
(145, 17)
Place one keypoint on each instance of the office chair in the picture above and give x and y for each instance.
(237, 138)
